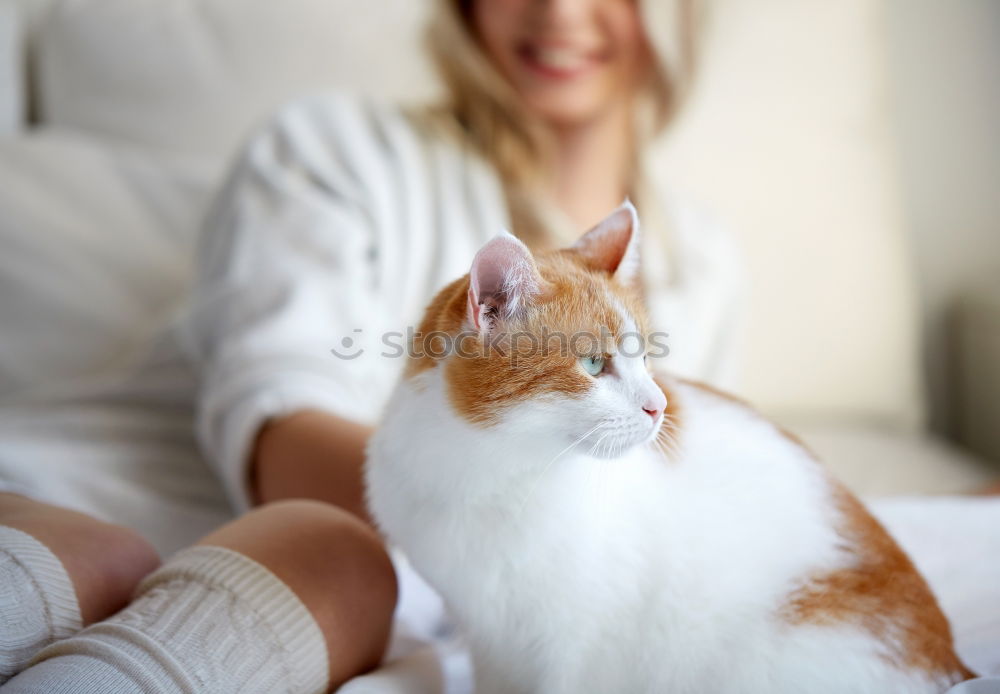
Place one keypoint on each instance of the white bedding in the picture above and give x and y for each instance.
(95, 242)
(955, 542)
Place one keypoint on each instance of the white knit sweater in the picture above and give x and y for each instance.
(342, 220)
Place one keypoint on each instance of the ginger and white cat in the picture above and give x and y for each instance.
(596, 531)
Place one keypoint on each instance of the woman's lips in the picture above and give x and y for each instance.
(558, 62)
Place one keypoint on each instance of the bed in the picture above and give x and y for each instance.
(118, 117)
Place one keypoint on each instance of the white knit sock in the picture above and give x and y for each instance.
(37, 600)
(209, 621)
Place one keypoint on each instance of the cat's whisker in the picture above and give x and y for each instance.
(665, 442)
(594, 453)
(668, 443)
(592, 483)
(596, 448)
(545, 468)
(614, 448)
(617, 446)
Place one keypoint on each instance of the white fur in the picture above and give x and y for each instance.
(609, 568)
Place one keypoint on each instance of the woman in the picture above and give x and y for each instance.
(338, 223)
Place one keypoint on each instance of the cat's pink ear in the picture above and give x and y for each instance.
(613, 245)
(502, 280)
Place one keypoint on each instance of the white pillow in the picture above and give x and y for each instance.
(195, 75)
(97, 247)
(11, 69)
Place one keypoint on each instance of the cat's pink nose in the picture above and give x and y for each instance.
(655, 403)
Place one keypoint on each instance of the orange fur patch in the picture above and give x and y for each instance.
(881, 591)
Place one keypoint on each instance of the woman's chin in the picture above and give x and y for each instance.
(568, 107)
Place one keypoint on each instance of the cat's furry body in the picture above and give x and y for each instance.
(727, 562)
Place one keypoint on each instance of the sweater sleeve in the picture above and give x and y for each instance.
(286, 290)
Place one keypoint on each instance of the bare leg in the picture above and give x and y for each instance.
(335, 564)
(104, 561)
(331, 562)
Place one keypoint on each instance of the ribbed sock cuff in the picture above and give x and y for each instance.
(208, 620)
(39, 603)
(278, 611)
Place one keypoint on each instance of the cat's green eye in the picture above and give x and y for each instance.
(593, 365)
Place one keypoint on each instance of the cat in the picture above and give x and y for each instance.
(596, 530)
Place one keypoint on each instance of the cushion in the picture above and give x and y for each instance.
(194, 75)
(875, 460)
(97, 246)
(11, 69)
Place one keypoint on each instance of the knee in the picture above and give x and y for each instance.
(322, 542)
(125, 558)
(104, 561)
(336, 564)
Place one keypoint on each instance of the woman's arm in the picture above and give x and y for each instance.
(286, 269)
(311, 455)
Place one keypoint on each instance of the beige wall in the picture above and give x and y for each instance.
(821, 129)
(944, 66)
(788, 139)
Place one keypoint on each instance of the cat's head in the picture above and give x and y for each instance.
(551, 346)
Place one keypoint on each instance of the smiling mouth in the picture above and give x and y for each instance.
(558, 62)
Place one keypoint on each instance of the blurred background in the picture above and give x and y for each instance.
(853, 147)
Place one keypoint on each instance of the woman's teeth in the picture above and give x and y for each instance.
(560, 59)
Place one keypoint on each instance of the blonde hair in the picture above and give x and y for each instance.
(494, 121)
